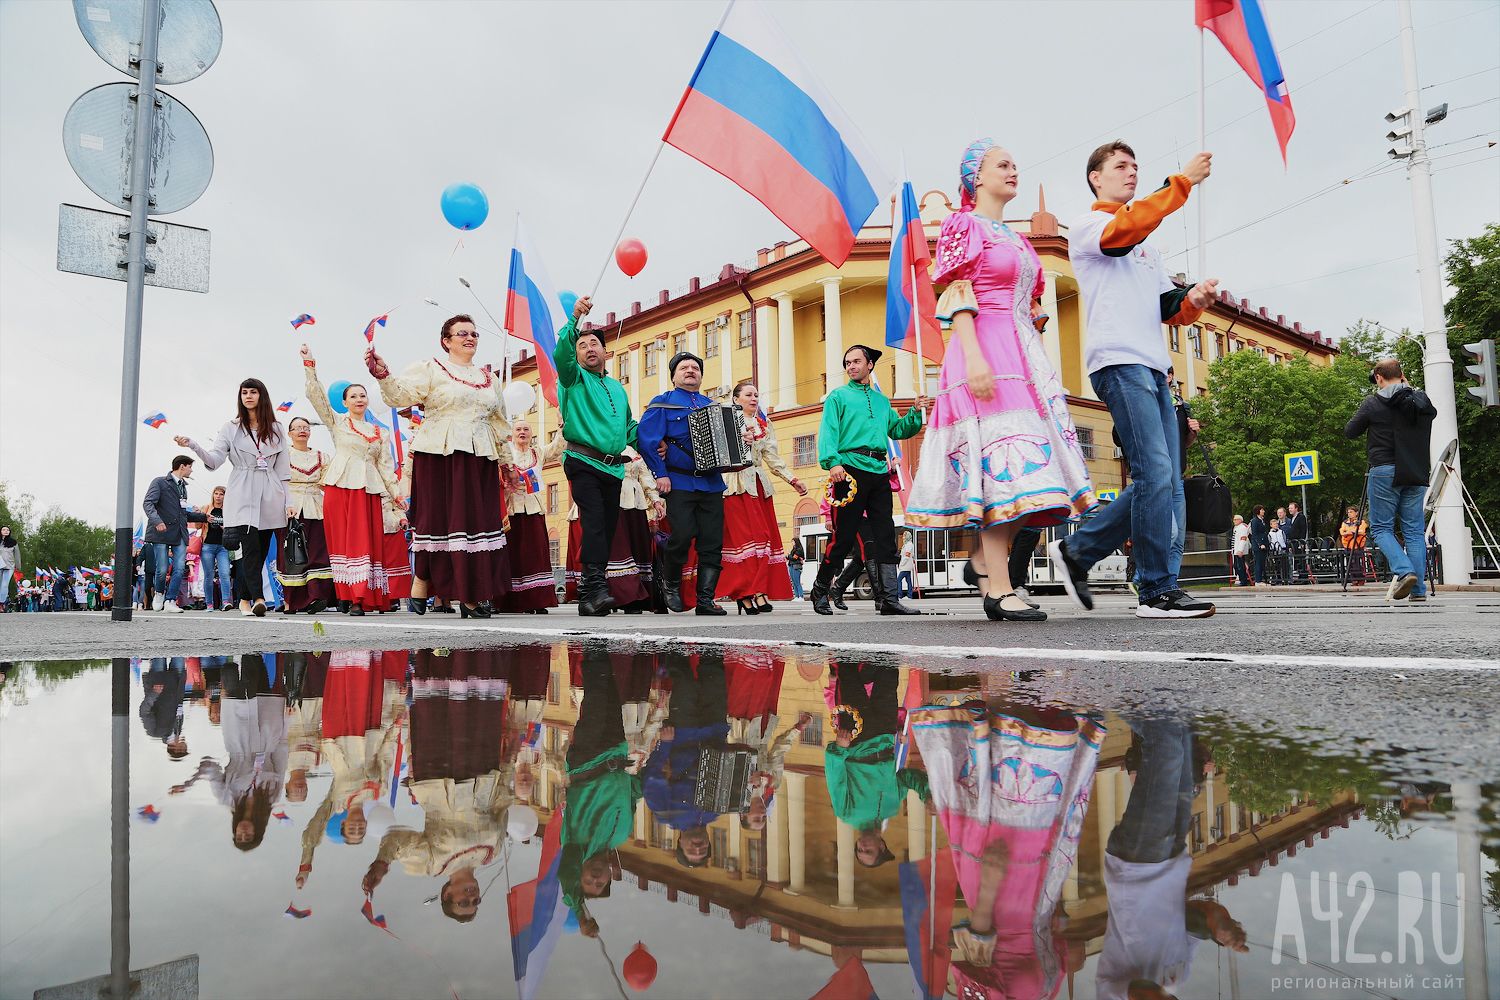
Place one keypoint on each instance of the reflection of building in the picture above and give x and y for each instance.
(784, 320)
(798, 881)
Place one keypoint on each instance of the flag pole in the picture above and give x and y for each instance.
(1202, 145)
(916, 298)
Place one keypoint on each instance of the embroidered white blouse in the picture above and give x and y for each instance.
(519, 501)
(764, 455)
(461, 408)
(305, 490)
(362, 452)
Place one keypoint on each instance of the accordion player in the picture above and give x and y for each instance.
(718, 438)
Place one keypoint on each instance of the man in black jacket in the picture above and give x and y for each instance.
(1397, 421)
(167, 517)
(1260, 543)
(1296, 541)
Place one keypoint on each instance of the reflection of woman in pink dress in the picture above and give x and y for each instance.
(1011, 787)
(1000, 450)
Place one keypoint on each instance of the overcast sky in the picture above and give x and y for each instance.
(336, 125)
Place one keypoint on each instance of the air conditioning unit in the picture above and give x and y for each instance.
(1119, 453)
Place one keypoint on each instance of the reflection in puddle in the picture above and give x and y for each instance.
(593, 819)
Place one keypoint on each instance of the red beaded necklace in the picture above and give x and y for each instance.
(488, 378)
(318, 464)
(372, 440)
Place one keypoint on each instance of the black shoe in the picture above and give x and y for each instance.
(818, 598)
(746, 606)
(883, 578)
(477, 611)
(1174, 604)
(417, 605)
(971, 575)
(1075, 580)
(355, 611)
(671, 589)
(844, 581)
(317, 607)
(540, 611)
(443, 609)
(763, 604)
(708, 586)
(995, 613)
(594, 598)
(259, 609)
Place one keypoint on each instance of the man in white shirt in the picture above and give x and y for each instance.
(1128, 295)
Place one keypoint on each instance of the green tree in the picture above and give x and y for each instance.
(1473, 313)
(54, 539)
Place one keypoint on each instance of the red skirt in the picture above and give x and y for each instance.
(458, 535)
(316, 582)
(754, 561)
(354, 690)
(355, 528)
(531, 582)
(629, 578)
(753, 678)
(397, 565)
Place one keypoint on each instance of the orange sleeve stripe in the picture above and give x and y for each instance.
(1134, 222)
(1185, 316)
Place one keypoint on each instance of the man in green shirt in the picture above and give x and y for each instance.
(852, 445)
(597, 428)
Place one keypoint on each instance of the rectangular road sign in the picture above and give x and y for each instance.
(1106, 495)
(90, 241)
(1301, 468)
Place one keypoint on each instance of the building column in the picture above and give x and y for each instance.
(1085, 386)
(786, 355)
(1234, 815)
(916, 826)
(640, 821)
(637, 368)
(1104, 811)
(1190, 382)
(764, 333)
(735, 851)
(728, 338)
(776, 837)
(1052, 337)
(833, 332)
(663, 383)
(796, 814)
(845, 865)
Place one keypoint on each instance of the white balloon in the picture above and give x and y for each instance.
(521, 823)
(379, 818)
(520, 397)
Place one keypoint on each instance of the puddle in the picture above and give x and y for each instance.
(582, 819)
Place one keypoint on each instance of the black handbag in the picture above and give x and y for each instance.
(296, 548)
(1210, 510)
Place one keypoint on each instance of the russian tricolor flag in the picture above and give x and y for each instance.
(285, 407)
(533, 311)
(154, 419)
(537, 913)
(1241, 26)
(756, 114)
(306, 319)
(370, 326)
(905, 307)
(926, 929)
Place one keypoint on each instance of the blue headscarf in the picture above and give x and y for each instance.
(968, 171)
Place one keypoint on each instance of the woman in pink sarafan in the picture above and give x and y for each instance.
(1000, 450)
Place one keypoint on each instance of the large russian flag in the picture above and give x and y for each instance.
(926, 928)
(537, 913)
(1241, 27)
(533, 311)
(756, 114)
(905, 306)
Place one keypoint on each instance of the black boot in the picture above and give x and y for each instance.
(594, 599)
(818, 596)
(887, 590)
(671, 588)
(708, 585)
(844, 582)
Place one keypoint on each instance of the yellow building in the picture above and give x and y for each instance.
(785, 320)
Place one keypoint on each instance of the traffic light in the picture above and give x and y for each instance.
(1487, 391)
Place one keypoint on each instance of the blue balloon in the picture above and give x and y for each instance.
(465, 206)
(336, 396)
(568, 299)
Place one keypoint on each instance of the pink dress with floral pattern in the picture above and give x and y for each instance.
(1015, 456)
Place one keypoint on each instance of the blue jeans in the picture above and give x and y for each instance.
(1160, 809)
(1141, 405)
(215, 560)
(903, 584)
(1393, 506)
(1179, 532)
(795, 572)
(179, 565)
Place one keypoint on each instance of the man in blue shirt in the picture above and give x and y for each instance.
(695, 504)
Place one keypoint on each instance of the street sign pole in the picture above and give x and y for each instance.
(1307, 542)
(130, 368)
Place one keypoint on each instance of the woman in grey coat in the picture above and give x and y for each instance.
(255, 504)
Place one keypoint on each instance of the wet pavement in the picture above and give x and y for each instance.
(575, 817)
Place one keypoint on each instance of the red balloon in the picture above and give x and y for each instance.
(631, 256)
(640, 964)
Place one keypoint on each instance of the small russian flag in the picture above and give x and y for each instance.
(285, 407)
(370, 328)
(416, 417)
(533, 484)
(297, 914)
(306, 319)
(154, 419)
(148, 813)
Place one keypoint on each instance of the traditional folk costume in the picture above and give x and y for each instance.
(305, 497)
(753, 676)
(865, 787)
(397, 550)
(629, 574)
(1021, 783)
(598, 427)
(1015, 457)
(360, 474)
(753, 557)
(531, 583)
(858, 420)
(695, 504)
(457, 532)
(697, 714)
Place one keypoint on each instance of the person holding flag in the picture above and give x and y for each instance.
(532, 590)
(312, 589)
(1001, 452)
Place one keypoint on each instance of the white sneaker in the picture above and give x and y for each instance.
(158, 602)
(171, 608)
(1401, 587)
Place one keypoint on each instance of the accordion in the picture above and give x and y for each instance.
(718, 439)
(724, 778)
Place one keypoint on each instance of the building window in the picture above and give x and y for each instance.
(661, 835)
(553, 689)
(624, 366)
(755, 857)
(1218, 346)
(1197, 832)
(823, 323)
(1197, 338)
(934, 373)
(743, 319)
(679, 343)
(1273, 357)
(812, 733)
(553, 550)
(1234, 346)
(805, 450)
(1174, 337)
(1086, 442)
(552, 501)
(651, 361)
(721, 848)
(711, 342)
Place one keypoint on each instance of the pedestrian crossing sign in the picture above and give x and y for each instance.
(1106, 496)
(1301, 468)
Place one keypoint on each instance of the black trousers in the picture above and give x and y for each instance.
(600, 723)
(597, 495)
(695, 516)
(252, 561)
(872, 502)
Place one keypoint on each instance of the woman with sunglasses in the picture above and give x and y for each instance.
(458, 534)
(312, 589)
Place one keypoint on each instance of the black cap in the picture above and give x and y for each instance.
(871, 353)
(679, 358)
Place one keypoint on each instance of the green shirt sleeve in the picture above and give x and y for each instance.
(565, 355)
(901, 428)
(828, 431)
(911, 780)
